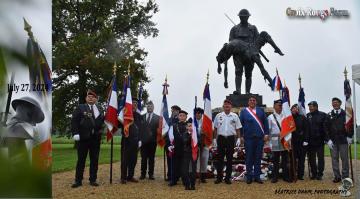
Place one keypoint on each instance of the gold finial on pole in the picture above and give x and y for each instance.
(345, 73)
(207, 76)
(165, 86)
(27, 28)
(299, 80)
(114, 68)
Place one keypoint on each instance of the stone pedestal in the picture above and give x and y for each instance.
(241, 100)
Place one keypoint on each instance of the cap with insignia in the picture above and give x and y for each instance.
(313, 103)
(199, 110)
(91, 92)
(176, 107)
(227, 101)
(336, 99)
(182, 111)
(277, 101)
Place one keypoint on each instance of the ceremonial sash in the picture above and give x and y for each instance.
(256, 118)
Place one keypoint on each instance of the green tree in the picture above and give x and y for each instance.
(88, 37)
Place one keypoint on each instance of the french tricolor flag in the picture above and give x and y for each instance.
(126, 116)
(276, 84)
(207, 125)
(111, 120)
(288, 123)
(194, 141)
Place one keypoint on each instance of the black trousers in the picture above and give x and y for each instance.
(174, 172)
(276, 161)
(299, 154)
(317, 152)
(225, 147)
(148, 158)
(91, 146)
(188, 170)
(129, 151)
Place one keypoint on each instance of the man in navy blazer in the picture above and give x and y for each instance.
(255, 131)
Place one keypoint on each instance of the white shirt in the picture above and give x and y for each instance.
(274, 131)
(226, 125)
(96, 110)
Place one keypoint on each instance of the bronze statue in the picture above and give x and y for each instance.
(244, 45)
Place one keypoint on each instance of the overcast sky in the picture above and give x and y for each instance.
(192, 33)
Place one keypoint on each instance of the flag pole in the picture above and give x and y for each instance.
(165, 85)
(350, 155)
(307, 152)
(112, 139)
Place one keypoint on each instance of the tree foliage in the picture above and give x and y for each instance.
(88, 37)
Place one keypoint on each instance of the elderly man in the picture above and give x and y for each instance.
(277, 148)
(226, 129)
(148, 147)
(338, 139)
(255, 130)
(86, 124)
(317, 137)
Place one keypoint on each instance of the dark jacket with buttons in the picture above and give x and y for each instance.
(335, 127)
(84, 123)
(317, 134)
(301, 134)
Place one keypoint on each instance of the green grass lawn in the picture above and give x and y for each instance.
(64, 155)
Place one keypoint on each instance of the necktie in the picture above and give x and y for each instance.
(148, 118)
(92, 111)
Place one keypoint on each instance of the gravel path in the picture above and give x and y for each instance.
(61, 183)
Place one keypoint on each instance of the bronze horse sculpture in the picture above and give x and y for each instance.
(248, 53)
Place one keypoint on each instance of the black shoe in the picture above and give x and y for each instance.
(172, 184)
(259, 181)
(166, 179)
(274, 180)
(94, 184)
(313, 178)
(248, 180)
(227, 181)
(187, 188)
(203, 178)
(76, 185)
(151, 177)
(336, 180)
(192, 187)
(319, 178)
(122, 181)
(218, 180)
(142, 177)
(287, 180)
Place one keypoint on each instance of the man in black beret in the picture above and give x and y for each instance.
(338, 139)
(86, 125)
(317, 137)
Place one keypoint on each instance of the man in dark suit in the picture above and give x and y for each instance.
(148, 147)
(86, 124)
(130, 146)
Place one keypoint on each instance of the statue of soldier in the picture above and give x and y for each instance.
(21, 127)
(248, 33)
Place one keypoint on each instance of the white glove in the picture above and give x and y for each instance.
(171, 148)
(214, 143)
(349, 140)
(76, 137)
(305, 143)
(238, 142)
(330, 144)
(139, 144)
